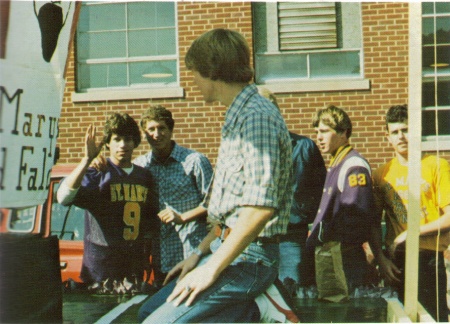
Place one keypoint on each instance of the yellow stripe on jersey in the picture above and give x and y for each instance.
(340, 154)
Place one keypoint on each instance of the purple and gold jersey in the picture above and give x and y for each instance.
(346, 210)
(121, 212)
(121, 206)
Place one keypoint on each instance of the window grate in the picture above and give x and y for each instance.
(306, 25)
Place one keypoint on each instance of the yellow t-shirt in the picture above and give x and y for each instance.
(391, 192)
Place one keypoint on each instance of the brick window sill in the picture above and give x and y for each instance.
(128, 94)
(317, 86)
(431, 144)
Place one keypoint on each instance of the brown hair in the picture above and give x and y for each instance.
(157, 113)
(334, 117)
(122, 125)
(396, 114)
(220, 54)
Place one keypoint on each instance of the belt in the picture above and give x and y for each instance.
(223, 231)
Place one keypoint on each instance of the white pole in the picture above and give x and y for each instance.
(414, 158)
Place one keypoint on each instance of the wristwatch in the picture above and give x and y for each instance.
(198, 252)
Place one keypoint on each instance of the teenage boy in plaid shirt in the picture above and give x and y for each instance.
(249, 198)
(183, 177)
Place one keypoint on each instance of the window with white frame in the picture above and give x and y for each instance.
(307, 41)
(435, 70)
(126, 46)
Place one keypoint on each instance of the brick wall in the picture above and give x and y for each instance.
(197, 125)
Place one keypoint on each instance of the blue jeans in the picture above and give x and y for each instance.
(293, 269)
(229, 299)
(290, 258)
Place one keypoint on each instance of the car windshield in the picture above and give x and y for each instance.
(67, 221)
(21, 220)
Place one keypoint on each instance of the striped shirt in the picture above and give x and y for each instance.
(183, 181)
(254, 166)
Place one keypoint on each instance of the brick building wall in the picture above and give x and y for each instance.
(198, 125)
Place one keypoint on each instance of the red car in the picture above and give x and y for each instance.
(52, 218)
(67, 223)
(30, 283)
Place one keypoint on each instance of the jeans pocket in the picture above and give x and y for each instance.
(265, 255)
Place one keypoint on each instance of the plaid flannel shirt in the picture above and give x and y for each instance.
(183, 181)
(254, 166)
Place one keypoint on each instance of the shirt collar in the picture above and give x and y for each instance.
(235, 109)
(176, 154)
(340, 154)
(118, 169)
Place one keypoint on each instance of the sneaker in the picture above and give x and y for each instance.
(301, 293)
(273, 306)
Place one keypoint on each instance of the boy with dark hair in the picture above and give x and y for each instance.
(121, 207)
(391, 189)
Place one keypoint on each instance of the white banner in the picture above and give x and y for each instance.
(34, 48)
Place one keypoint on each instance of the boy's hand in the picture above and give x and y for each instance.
(169, 215)
(182, 268)
(400, 239)
(192, 284)
(389, 270)
(91, 149)
(99, 163)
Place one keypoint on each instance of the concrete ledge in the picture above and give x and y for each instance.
(291, 86)
(396, 313)
(423, 316)
(128, 94)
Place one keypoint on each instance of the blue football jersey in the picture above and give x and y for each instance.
(121, 212)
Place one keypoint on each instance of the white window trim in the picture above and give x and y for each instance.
(299, 85)
(272, 28)
(128, 94)
(431, 143)
(144, 91)
(317, 86)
